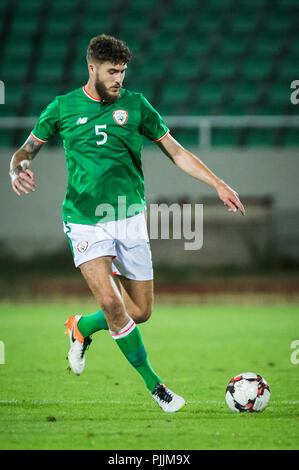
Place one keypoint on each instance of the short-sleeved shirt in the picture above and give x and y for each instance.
(103, 143)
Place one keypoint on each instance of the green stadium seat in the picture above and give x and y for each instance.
(96, 8)
(225, 137)
(279, 94)
(25, 15)
(267, 46)
(139, 3)
(246, 93)
(205, 22)
(53, 49)
(174, 97)
(134, 43)
(251, 5)
(58, 25)
(24, 26)
(3, 5)
(175, 24)
(13, 94)
(233, 109)
(222, 70)
(30, 7)
(197, 45)
(14, 70)
(49, 71)
(153, 69)
(168, 109)
(232, 46)
(210, 93)
(287, 70)
(175, 93)
(278, 24)
(195, 108)
(134, 24)
(292, 50)
(271, 109)
(8, 110)
(18, 50)
(245, 24)
(6, 139)
(83, 42)
(80, 73)
(63, 8)
(256, 69)
(43, 95)
(186, 69)
(162, 45)
(187, 137)
(95, 25)
(147, 88)
(261, 137)
(291, 137)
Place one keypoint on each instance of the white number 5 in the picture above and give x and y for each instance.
(101, 133)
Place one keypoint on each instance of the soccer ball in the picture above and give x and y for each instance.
(247, 392)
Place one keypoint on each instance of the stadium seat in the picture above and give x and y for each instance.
(256, 69)
(211, 93)
(261, 138)
(186, 69)
(153, 68)
(49, 71)
(14, 70)
(225, 137)
(24, 25)
(222, 70)
(268, 46)
(246, 93)
(97, 24)
(233, 46)
(291, 138)
(278, 24)
(287, 70)
(279, 94)
(162, 45)
(245, 24)
(187, 137)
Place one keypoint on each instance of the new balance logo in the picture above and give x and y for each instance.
(82, 120)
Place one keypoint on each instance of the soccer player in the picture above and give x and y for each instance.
(102, 126)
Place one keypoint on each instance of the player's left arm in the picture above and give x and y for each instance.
(193, 166)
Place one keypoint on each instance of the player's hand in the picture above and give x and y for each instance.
(230, 198)
(23, 182)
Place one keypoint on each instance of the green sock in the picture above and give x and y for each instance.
(89, 324)
(130, 343)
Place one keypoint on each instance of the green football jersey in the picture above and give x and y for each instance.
(103, 143)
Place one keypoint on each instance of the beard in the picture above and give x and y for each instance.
(104, 93)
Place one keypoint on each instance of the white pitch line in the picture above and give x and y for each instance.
(94, 402)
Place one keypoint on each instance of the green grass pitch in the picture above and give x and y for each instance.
(194, 349)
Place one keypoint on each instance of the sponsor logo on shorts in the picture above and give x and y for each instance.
(120, 116)
(82, 246)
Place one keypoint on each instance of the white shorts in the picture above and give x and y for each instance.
(126, 240)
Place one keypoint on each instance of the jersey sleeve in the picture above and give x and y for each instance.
(47, 124)
(152, 124)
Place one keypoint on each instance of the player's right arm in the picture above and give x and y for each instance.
(22, 179)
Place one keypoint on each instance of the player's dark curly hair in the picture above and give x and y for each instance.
(104, 48)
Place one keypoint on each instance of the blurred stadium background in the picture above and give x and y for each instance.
(220, 73)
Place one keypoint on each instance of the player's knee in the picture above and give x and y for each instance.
(111, 305)
(143, 314)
